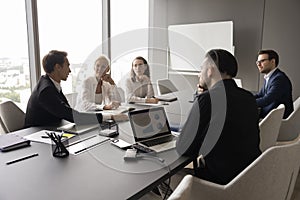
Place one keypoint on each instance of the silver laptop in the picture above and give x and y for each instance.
(151, 128)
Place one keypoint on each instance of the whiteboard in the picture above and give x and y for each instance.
(188, 43)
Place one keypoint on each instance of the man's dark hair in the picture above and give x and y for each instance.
(271, 55)
(224, 60)
(52, 58)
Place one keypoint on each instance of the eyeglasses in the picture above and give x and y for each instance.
(261, 61)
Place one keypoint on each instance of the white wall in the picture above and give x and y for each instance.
(257, 24)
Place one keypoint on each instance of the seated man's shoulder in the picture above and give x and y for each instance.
(282, 78)
(280, 73)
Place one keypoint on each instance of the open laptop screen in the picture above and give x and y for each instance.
(149, 123)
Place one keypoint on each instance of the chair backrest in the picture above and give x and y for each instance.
(269, 128)
(270, 176)
(165, 86)
(12, 116)
(296, 103)
(290, 127)
(121, 94)
(183, 190)
(274, 170)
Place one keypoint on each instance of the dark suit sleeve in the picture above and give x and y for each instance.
(50, 100)
(259, 94)
(195, 127)
(274, 91)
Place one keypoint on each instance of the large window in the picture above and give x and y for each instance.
(129, 35)
(74, 27)
(14, 69)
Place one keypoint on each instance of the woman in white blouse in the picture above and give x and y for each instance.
(138, 85)
(99, 92)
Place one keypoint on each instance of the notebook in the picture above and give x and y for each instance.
(151, 128)
(12, 141)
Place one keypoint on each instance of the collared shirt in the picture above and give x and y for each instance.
(268, 75)
(58, 87)
(56, 84)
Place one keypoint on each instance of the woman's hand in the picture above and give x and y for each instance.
(108, 79)
(152, 100)
(112, 105)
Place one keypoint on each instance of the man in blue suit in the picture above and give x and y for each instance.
(277, 88)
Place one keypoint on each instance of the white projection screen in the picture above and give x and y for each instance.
(188, 43)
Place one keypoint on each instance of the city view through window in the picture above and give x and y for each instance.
(14, 63)
(68, 31)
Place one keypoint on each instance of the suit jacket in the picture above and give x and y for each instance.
(278, 91)
(47, 106)
(222, 126)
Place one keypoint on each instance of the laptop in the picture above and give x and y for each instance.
(151, 128)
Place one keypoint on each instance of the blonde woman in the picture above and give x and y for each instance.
(99, 92)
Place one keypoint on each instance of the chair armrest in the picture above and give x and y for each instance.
(202, 189)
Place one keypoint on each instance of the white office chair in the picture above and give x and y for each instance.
(290, 127)
(296, 103)
(269, 127)
(165, 86)
(268, 177)
(184, 190)
(12, 116)
(121, 94)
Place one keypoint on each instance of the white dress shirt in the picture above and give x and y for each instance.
(88, 100)
(138, 91)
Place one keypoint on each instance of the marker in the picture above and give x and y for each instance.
(23, 158)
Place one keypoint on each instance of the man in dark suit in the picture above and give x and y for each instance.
(223, 122)
(277, 88)
(47, 104)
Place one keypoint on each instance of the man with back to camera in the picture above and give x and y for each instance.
(223, 122)
(277, 88)
(47, 104)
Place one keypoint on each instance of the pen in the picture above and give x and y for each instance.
(23, 158)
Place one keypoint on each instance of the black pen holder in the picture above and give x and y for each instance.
(59, 149)
(58, 146)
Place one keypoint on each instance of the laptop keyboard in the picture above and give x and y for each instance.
(157, 141)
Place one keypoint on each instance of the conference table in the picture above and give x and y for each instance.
(99, 173)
